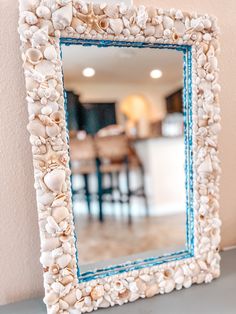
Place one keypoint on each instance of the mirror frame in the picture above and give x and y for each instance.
(42, 26)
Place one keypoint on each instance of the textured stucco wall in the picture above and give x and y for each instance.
(20, 275)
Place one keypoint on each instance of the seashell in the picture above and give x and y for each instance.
(187, 282)
(159, 31)
(124, 295)
(46, 68)
(152, 290)
(168, 22)
(169, 286)
(35, 127)
(97, 292)
(197, 24)
(134, 30)
(54, 180)
(103, 23)
(46, 110)
(40, 37)
(70, 298)
(51, 298)
(179, 15)
(66, 280)
(46, 259)
(33, 55)
(52, 224)
(46, 24)
(133, 297)
(29, 5)
(78, 294)
(142, 16)
(52, 130)
(149, 30)
(63, 305)
(118, 285)
(43, 12)
(62, 17)
(50, 244)
(179, 27)
(56, 117)
(116, 25)
(123, 8)
(60, 213)
(30, 17)
(64, 260)
(206, 166)
(53, 105)
(78, 26)
(54, 269)
(168, 273)
(141, 285)
(34, 108)
(50, 53)
(112, 11)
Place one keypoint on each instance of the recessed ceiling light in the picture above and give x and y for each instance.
(155, 74)
(88, 72)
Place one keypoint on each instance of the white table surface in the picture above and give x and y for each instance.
(219, 297)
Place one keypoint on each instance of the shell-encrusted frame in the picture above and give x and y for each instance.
(42, 24)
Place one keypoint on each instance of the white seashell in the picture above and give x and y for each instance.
(134, 30)
(149, 30)
(30, 17)
(45, 68)
(70, 298)
(168, 22)
(43, 12)
(35, 127)
(169, 285)
(46, 259)
(142, 16)
(62, 17)
(206, 165)
(54, 180)
(52, 130)
(78, 26)
(50, 53)
(53, 105)
(78, 294)
(50, 244)
(179, 27)
(116, 25)
(133, 297)
(197, 24)
(51, 298)
(63, 305)
(46, 24)
(118, 285)
(60, 213)
(52, 224)
(112, 11)
(179, 15)
(159, 30)
(33, 55)
(44, 198)
(34, 108)
(187, 282)
(28, 5)
(123, 8)
(152, 290)
(40, 37)
(46, 110)
(64, 260)
(97, 292)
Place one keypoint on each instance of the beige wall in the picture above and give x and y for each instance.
(20, 275)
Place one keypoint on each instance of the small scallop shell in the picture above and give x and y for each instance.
(43, 12)
(35, 127)
(45, 67)
(54, 180)
(50, 53)
(62, 17)
(33, 55)
(117, 26)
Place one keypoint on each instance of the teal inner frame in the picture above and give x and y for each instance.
(188, 140)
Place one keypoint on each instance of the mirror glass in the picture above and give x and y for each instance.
(126, 133)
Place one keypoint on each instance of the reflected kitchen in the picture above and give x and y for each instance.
(126, 136)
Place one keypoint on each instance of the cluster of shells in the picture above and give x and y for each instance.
(41, 24)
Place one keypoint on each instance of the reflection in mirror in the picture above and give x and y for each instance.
(125, 122)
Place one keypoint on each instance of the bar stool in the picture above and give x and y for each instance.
(82, 158)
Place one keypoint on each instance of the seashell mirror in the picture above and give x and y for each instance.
(123, 121)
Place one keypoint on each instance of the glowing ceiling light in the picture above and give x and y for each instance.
(155, 74)
(88, 72)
